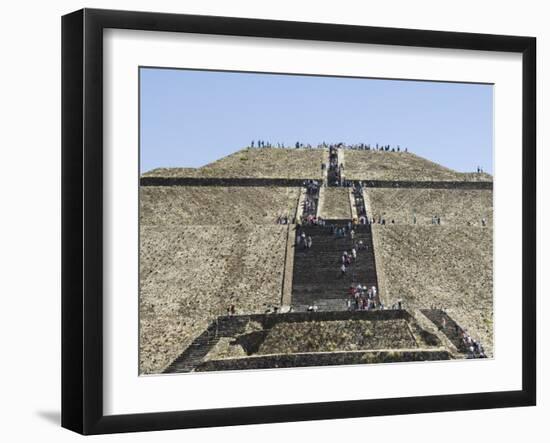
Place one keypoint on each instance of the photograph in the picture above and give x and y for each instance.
(269, 222)
(292, 220)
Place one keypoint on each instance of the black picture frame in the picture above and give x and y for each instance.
(82, 218)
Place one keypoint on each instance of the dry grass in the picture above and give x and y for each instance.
(202, 249)
(444, 266)
(256, 163)
(454, 206)
(403, 166)
(189, 275)
(204, 205)
(338, 335)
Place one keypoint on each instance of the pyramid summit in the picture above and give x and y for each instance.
(305, 163)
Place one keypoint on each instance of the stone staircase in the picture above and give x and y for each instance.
(447, 326)
(311, 197)
(317, 280)
(359, 201)
(190, 358)
(333, 173)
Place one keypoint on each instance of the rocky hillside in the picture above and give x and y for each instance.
(454, 206)
(189, 275)
(256, 163)
(400, 166)
(203, 249)
(447, 267)
(213, 205)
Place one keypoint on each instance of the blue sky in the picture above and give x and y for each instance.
(190, 118)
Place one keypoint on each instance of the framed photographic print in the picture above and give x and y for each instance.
(269, 221)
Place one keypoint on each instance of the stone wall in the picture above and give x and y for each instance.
(323, 359)
(410, 184)
(216, 181)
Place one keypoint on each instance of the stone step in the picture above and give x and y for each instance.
(323, 305)
(316, 274)
(302, 283)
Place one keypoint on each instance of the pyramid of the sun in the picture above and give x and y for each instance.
(207, 244)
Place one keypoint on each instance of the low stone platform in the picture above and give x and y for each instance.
(276, 340)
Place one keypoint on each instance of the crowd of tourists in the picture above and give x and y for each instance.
(312, 220)
(340, 145)
(310, 206)
(312, 187)
(311, 197)
(473, 347)
(364, 220)
(363, 298)
(325, 145)
(335, 168)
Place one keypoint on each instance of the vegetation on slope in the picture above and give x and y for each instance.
(453, 206)
(401, 166)
(338, 335)
(189, 275)
(207, 205)
(446, 267)
(335, 204)
(256, 163)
